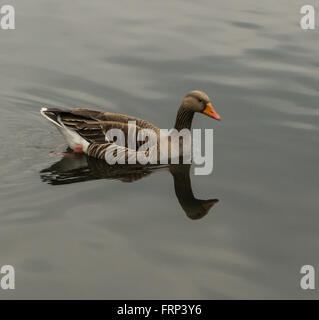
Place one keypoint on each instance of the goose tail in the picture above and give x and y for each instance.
(72, 137)
(52, 114)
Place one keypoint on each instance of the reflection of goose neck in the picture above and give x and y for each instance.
(194, 208)
(182, 183)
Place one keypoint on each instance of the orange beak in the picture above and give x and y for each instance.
(210, 111)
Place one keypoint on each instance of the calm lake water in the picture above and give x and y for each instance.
(81, 233)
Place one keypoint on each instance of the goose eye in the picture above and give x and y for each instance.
(200, 100)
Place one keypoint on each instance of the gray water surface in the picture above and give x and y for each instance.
(102, 237)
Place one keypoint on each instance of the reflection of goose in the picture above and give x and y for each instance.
(78, 168)
(85, 130)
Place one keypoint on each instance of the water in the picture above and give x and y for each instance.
(105, 238)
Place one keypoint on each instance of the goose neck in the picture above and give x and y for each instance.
(184, 118)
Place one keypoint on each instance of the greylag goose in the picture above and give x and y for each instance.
(85, 130)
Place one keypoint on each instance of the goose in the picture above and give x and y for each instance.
(86, 130)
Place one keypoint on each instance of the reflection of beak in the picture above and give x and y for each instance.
(210, 111)
(207, 204)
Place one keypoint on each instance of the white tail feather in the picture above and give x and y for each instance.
(72, 138)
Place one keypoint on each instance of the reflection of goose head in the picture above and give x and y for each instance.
(194, 208)
(78, 168)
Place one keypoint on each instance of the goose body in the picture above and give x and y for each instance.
(86, 130)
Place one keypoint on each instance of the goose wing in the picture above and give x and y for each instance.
(93, 125)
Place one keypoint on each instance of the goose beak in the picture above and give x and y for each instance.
(210, 111)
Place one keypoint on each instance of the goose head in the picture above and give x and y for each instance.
(194, 101)
(198, 101)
